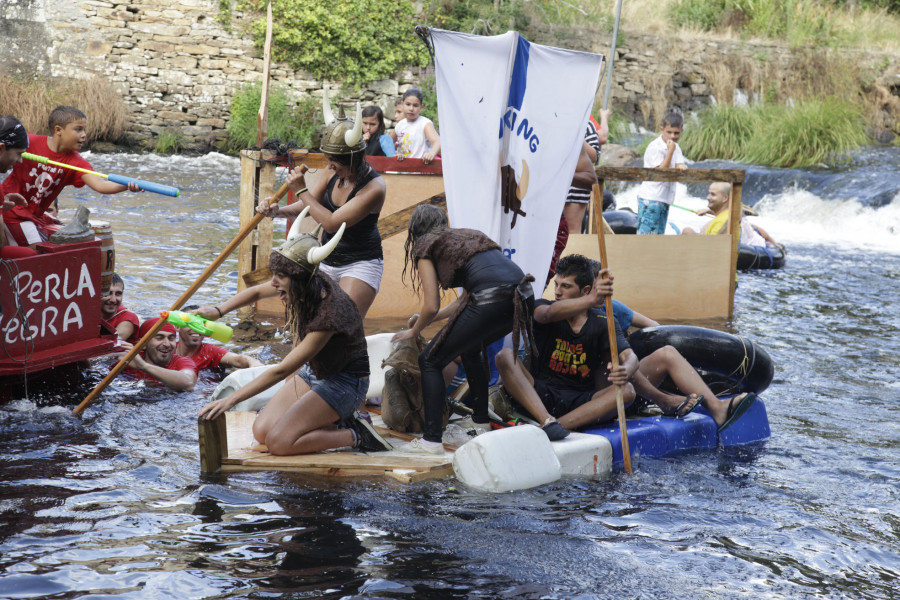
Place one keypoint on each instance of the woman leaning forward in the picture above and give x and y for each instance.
(315, 409)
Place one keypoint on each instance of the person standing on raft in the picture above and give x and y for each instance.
(351, 193)
(497, 299)
(305, 415)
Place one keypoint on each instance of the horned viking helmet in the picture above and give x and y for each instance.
(341, 135)
(302, 250)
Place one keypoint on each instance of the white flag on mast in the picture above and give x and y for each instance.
(514, 112)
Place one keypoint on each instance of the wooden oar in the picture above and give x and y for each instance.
(123, 362)
(388, 226)
(611, 326)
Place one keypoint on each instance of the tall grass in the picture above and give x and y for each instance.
(32, 101)
(810, 133)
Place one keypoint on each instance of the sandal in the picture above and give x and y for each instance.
(735, 412)
(687, 406)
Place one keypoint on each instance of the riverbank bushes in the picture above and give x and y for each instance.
(32, 101)
(807, 134)
(286, 123)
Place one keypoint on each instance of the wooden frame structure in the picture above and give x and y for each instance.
(666, 277)
(227, 445)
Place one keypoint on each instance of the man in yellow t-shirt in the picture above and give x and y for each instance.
(717, 201)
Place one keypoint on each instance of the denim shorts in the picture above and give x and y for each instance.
(652, 217)
(342, 392)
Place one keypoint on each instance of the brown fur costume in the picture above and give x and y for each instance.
(401, 400)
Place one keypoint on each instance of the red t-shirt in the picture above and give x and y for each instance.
(208, 356)
(40, 184)
(178, 363)
(126, 316)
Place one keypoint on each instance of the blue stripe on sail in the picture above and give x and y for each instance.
(519, 74)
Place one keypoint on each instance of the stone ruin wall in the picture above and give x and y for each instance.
(176, 66)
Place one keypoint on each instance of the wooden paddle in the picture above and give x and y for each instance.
(123, 362)
(597, 199)
(388, 226)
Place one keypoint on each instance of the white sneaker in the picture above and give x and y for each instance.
(470, 426)
(420, 446)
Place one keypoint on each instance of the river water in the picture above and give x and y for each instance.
(113, 505)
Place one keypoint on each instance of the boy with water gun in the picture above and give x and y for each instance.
(40, 183)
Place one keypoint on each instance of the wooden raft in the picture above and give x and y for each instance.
(227, 445)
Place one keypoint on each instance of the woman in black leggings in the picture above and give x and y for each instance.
(497, 299)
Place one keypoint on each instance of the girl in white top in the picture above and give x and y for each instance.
(416, 135)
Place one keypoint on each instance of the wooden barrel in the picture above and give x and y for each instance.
(103, 232)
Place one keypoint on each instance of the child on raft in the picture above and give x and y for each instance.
(13, 142)
(378, 143)
(416, 135)
(40, 183)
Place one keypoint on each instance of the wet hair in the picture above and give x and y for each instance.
(424, 220)
(117, 280)
(413, 92)
(579, 266)
(63, 115)
(375, 111)
(673, 119)
(12, 133)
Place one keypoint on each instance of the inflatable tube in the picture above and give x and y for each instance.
(621, 221)
(769, 256)
(729, 364)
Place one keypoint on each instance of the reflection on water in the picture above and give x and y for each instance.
(113, 505)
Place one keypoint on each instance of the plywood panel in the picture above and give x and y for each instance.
(665, 276)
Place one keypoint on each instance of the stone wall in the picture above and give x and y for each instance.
(177, 67)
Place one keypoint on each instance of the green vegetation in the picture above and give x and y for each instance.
(169, 141)
(799, 22)
(285, 122)
(807, 134)
(353, 41)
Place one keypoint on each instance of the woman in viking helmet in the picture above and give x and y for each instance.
(307, 414)
(351, 192)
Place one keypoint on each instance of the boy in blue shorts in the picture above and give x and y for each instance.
(655, 197)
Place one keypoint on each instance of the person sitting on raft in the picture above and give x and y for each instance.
(351, 193)
(561, 382)
(562, 390)
(303, 416)
(158, 361)
(497, 299)
(13, 142)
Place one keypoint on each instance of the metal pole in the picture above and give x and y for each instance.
(612, 56)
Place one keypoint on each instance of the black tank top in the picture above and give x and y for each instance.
(361, 241)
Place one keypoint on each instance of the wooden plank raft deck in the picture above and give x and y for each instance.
(227, 445)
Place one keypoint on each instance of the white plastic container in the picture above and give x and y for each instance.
(582, 454)
(379, 347)
(516, 458)
(238, 379)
